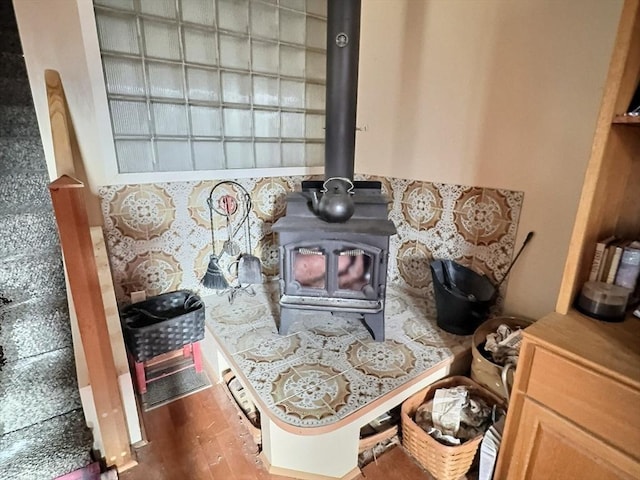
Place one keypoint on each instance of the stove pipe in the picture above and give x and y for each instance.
(343, 44)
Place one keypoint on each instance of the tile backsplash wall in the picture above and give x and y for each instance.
(159, 235)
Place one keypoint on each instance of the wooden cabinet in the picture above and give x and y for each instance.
(556, 448)
(575, 406)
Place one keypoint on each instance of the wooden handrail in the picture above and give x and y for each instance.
(60, 128)
(68, 159)
(77, 210)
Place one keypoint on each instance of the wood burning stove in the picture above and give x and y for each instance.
(334, 238)
(336, 267)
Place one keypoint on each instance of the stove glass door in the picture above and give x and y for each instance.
(354, 269)
(310, 267)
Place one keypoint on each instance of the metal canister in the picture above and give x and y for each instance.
(496, 378)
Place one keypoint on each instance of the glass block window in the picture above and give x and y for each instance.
(214, 84)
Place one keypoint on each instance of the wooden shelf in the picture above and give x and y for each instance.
(626, 120)
(609, 201)
(608, 346)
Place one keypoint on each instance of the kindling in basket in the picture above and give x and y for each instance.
(444, 462)
(162, 324)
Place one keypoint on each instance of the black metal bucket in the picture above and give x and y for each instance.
(463, 297)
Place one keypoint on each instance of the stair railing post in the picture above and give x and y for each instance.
(68, 197)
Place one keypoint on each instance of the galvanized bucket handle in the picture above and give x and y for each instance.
(504, 375)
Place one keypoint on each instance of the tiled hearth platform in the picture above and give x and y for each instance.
(316, 387)
(319, 384)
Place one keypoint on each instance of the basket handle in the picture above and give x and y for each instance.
(147, 313)
(192, 302)
(504, 374)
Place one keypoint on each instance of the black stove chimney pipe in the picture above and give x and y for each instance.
(343, 45)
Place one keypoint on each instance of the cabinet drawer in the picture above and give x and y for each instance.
(602, 405)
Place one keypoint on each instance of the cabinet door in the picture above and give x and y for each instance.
(548, 447)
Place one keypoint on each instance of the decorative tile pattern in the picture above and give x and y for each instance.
(421, 205)
(155, 273)
(474, 226)
(202, 261)
(482, 215)
(413, 264)
(505, 203)
(269, 253)
(388, 359)
(269, 198)
(268, 347)
(198, 207)
(387, 188)
(328, 366)
(310, 391)
(142, 213)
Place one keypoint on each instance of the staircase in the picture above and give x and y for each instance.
(42, 428)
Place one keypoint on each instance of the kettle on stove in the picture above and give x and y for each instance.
(335, 204)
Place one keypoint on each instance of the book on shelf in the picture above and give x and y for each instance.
(614, 252)
(607, 256)
(597, 264)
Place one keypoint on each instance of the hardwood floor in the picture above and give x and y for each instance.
(201, 437)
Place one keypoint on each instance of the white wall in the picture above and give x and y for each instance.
(493, 93)
(53, 35)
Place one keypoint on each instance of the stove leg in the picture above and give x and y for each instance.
(375, 325)
(286, 319)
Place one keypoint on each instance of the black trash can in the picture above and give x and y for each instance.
(463, 297)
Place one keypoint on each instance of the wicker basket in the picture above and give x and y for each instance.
(444, 462)
(162, 324)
